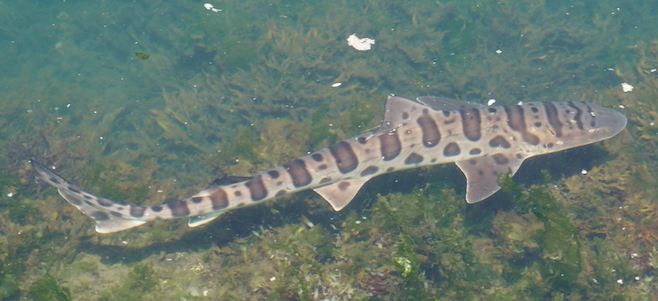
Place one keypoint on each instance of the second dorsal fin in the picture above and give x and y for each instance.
(223, 181)
(395, 111)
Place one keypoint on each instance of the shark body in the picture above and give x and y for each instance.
(483, 141)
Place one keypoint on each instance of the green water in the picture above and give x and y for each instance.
(148, 101)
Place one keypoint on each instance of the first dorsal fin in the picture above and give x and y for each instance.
(445, 104)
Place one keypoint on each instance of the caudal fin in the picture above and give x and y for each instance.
(108, 215)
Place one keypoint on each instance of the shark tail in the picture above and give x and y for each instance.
(108, 215)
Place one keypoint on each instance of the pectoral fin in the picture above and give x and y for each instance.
(482, 174)
(341, 193)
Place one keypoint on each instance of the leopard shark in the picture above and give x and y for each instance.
(484, 141)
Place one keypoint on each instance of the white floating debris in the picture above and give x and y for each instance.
(491, 102)
(584, 172)
(626, 87)
(360, 44)
(209, 6)
(272, 278)
(11, 194)
(336, 85)
(620, 281)
(499, 51)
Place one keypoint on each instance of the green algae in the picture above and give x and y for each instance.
(562, 262)
(47, 289)
(451, 48)
(8, 285)
(140, 282)
(20, 210)
(244, 145)
(142, 55)
(142, 278)
(321, 132)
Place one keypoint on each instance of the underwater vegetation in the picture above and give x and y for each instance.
(140, 282)
(142, 55)
(241, 91)
(46, 288)
(558, 240)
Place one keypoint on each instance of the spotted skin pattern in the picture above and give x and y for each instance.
(483, 142)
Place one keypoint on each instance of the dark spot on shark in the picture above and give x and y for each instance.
(100, 216)
(103, 202)
(390, 146)
(179, 208)
(553, 118)
(500, 159)
(343, 185)
(414, 158)
(451, 150)
(516, 121)
(344, 155)
(578, 117)
(298, 173)
(317, 157)
(430, 131)
(369, 171)
(257, 188)
(499, 141)
(219, 199)
(137, 211)
(471, 123)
